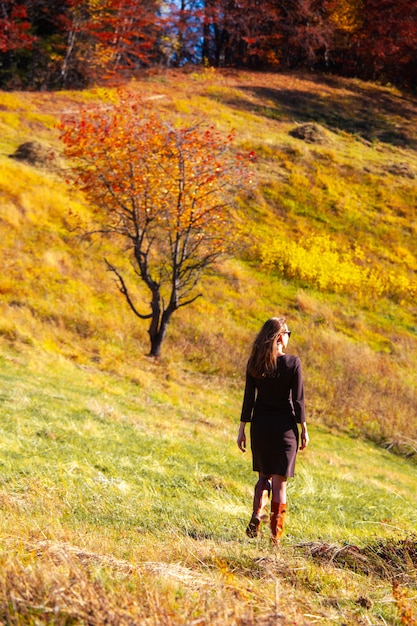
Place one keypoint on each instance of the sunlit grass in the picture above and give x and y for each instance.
(147, 484)
(119, 474)
(73, 293)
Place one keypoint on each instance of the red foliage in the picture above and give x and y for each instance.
(386, 42)
(126, 27)
(307, 31)
(110, 36)
(75, 42)
(14, 27)
(163, 192)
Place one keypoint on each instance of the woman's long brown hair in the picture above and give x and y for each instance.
(263, 359)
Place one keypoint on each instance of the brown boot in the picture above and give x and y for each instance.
(252, 529)
(278, 510)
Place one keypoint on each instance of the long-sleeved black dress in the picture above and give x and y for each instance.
(274, 404)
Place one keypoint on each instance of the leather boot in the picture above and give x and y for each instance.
(278, 510)
(260, 501)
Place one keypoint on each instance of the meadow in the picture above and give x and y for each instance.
(124, 497)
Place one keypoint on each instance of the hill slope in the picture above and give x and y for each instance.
(328, 238)
(120, 476)
(127, 504)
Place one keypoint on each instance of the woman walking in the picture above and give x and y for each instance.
(273, 403)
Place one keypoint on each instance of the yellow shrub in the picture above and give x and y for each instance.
(320, 261)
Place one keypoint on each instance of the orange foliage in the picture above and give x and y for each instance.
(404, 609)
(347, 15)
(165, 191)
(141, 172)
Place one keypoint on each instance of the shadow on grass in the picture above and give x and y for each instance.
(363, 110)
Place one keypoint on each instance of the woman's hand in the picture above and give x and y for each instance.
(241, 437)
(304, 436)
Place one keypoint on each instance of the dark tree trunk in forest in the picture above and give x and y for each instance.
(207, 27)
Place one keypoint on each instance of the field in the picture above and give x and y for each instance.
(124, 497)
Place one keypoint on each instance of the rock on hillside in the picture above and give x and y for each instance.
(36, 154)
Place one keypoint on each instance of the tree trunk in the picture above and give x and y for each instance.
(156, 344)
(159, 325)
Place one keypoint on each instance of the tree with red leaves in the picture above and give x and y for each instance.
(162, 195)
(241, 32)
(385, 45)
(77, 42)
(261, 33)
(108, 37)
(72, 43)
(307, 32)
(14, 27)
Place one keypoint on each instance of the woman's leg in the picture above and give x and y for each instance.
(278, 506)
(261, 494)
(279, 489)
(260, 500)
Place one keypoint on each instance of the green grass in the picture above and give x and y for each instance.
(123, 494)
(116, 475)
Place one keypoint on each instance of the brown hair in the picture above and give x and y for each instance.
(263, 359)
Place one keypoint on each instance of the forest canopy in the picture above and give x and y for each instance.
(46, 44)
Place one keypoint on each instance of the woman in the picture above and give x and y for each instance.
(273, 402)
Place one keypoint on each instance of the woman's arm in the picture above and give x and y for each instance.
(248, 399)
(304, 436)
(297, 393)
(247, 408)
(241, 437)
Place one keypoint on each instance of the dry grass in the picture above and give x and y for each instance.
(57, 583)
(391, 559)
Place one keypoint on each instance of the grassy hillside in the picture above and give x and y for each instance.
(124, 495)
(123, 502)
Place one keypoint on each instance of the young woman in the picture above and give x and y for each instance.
(273, 403)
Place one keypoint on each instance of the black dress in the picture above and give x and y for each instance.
(274, 404)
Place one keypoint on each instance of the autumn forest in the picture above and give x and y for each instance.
(51, 44)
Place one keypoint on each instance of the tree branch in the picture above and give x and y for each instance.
(123, 289)
(199, 295)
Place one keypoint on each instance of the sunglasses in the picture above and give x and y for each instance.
(287, 332)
